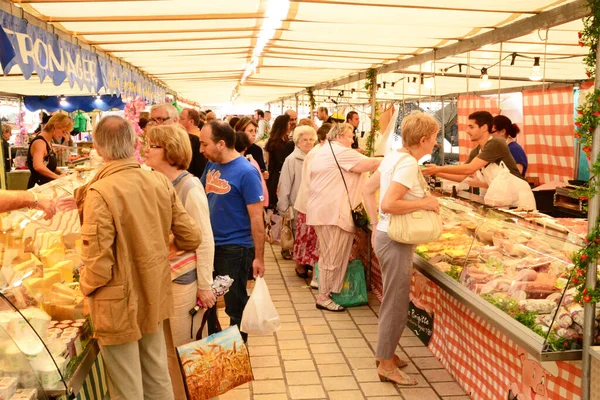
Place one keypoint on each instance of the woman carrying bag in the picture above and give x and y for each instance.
(401, 192)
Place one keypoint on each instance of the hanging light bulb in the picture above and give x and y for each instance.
(412, 85)
(484, 83)
(354, 94)
(536, 72)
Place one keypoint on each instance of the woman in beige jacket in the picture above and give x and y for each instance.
(127, 215)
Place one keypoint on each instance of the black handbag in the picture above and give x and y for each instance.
(359, 214)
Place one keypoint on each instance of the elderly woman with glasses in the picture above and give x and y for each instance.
(169, 152)
(336, 179)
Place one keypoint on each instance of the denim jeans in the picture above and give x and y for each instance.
(235, 261)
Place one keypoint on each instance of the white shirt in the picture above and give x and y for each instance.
(263, 128)
(406, 174)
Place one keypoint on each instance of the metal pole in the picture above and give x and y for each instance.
(590, 308)
(373, 110)
(443, 131)
(296, 104)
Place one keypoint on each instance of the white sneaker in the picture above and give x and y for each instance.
(314, 284)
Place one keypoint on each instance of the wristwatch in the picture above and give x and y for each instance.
(35, 200)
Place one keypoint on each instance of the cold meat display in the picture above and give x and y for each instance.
(516, 263)
(44, 331)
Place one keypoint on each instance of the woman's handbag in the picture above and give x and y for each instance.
(286, 239)
(417, 227)
(359, 215)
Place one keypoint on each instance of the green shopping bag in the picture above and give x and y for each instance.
(354, 291)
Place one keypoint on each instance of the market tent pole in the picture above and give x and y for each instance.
(373, 110)
(590, 308)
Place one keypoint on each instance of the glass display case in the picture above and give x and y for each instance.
(512, 269)
(44, 327)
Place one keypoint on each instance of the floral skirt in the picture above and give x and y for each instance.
(305, 244)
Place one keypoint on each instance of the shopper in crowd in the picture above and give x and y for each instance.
(44, 118)
(329, 211)
(401, 190)
(249, 126)
(127, 215)
(489, 150)
(306, 252)
(233, 121)
(210, 116)
(323, 115)
(169, 152)
(505, 129)
(235, 201)
(353, 119)
(263, 126)
(6, 134)
(41, 158)
(291, 176)
(202, 121)
(11, 200)
(167, 114)
(143, 123)
(308, 122)
(242, 144)
(293, 119)
(278, 147)
(268, 119)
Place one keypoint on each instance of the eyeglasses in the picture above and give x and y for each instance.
(153, 146)
(159, 120)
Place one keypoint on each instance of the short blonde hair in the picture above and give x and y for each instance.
(338, 130)
(416, 126)
(60, 121)
(6, 128)
(175, 141)
(308, 122)
(304, 130)
(115, 138)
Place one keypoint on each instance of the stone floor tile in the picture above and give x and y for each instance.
(340, 383)
(448, 388)
(366, 320)
(346, 333)
(368, 328)
(366, 375)
(282, 304)
(328, 370)
(286, 311)
(303, 378)
(427, 363)
(292, 344)
(345, 395)
(258, 351)
(290, 326)
(419, 393)
(335, 358)
(315, 339)
(307, 392)
(337, 317)
(358, 352)
(266, 387)
(322, 348)
(299, 354)
(288, 318)
(410, 369)
(277, 396)
(363, 312)
(418, 352)
(456, 398)
(372, 337)
(261, 340)
(304, 300)
(342, 325)
(408, 333)
(289, 335)
(304, 306)
(437, 375)
(380, 389)
(316, 329)
(299, 366)
(236, 394)
(313, 321)
(362, 363)
(312, 313)
(267, 361)
(353, 343)
(411, 342)
(267, 373)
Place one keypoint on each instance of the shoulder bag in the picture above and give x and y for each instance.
(359, 215)
(417, 227)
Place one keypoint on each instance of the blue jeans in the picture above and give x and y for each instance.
(235, 261)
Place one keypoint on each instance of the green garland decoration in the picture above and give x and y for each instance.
(370, 87)
(311, 98)
(588, 118)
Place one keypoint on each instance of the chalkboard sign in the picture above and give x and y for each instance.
(420, 323)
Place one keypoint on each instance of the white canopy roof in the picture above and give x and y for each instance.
(200, 49)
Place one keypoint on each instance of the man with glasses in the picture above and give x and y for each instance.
(166, 114)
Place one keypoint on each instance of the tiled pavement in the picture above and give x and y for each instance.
(323, 355)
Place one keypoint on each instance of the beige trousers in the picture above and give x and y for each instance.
(138, 370)
(178, 331)
(335, 245)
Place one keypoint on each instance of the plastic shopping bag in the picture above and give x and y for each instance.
(500, 192)
(354, 291)
(260, 315)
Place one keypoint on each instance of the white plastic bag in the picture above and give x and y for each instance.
(260, 315)
(506, 190)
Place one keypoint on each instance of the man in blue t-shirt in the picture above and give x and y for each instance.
(235, 201)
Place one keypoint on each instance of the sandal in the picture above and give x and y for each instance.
(399, 362)
(286, 254)
(384, 376)
(330, 305)
(303, 275)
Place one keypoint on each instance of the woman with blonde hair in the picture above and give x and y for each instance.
(169, 152)
(402, 190)
(336, 179)
(291, 177)
(41, 159)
